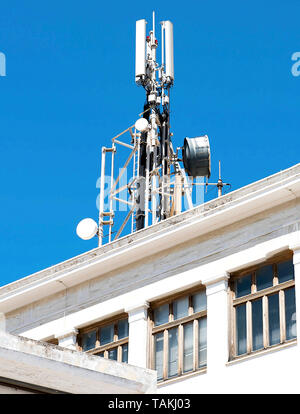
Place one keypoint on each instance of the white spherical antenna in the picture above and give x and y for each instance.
(142, 125)
(87, 229)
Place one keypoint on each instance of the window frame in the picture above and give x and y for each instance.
(262, 294)
(116, 343)
(53, 341)
(179, 323)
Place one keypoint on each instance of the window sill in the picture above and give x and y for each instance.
(182, 377)
(262, 352)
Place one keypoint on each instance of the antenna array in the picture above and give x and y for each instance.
(158, 183)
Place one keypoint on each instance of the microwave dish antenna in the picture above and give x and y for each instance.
(152, 184)
(87, 229)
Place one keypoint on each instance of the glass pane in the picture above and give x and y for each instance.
(290, 313)
(199, 301)
(106, 334)
(158, 354)
(101, 354)
(285, 271)
(161, 314)
(125, 353)
(188, 354)
(173, 352)
(202, 337)
(88, 341)
(264, 277)
(243, 286)
(113, 354)
(123, 328)
(181, 308)
(241, 330)
(257, 325)
(274, 325)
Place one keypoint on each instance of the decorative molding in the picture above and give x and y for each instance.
(296, 256)
(217, 283)
(217, 278)
(137, 312)
(137, 307)
(295, 246)
(66, 334)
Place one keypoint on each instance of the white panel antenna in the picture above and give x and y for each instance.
(158, 183)
(169, 50)
(140, 50)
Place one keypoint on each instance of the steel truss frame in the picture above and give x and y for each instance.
(156, 186)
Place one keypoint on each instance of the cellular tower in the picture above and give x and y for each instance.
(158, 181)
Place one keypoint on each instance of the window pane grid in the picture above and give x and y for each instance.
(251, 328)
(108, 340)
(266, 317)
(188, 347)
(290, 313)
(179, 343)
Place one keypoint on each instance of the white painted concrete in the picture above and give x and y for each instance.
(67, 339)
(59, 369)
(190, 264)
(215, 215)
(138, 334)
(196, 248)
(6, 389)
(217, 324)
(270, 373)
(296, 261)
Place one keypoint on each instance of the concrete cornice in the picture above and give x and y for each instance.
(65, 370)
(137, 312)
(137, 307)
(67, 333)
(216, 279)
(213, 215)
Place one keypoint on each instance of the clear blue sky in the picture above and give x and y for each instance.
(70, 88)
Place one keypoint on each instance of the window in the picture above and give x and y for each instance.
(108, 339)
(263, 306)
(178, 335)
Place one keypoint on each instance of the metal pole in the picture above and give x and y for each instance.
(136, 176)
(111, 185)
(220, 182)
(153, 20)
(153, 189)
(101, 201)
(162, 46)
(178, 194)
(147, 182)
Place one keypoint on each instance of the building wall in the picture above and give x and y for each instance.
(271, 372)
(36, 366)
(206, 260)
(10, 389)
(157, 276)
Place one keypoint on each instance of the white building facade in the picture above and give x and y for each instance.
(210, 298)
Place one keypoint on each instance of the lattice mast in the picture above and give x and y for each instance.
(154, 161)
(158, 183)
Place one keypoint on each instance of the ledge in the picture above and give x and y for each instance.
(52, 367)
(213, 215)
(262, 352)
(180, 378)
